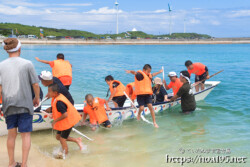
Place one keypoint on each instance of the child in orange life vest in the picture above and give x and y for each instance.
(96, 111)
(143, 89)
(117, 91)
(65, 117)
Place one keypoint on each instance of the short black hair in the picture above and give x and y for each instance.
(147, 66)
(54, 87)
(88, 96)
(185, 73)
(188, 63)
(109, 78)
(60, 56)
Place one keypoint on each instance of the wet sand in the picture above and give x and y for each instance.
(36, 158)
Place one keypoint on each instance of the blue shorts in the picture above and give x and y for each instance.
(21, 121)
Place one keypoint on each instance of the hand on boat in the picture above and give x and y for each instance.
(208, 77)
(108, 109)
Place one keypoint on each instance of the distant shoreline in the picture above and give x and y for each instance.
(136, 41)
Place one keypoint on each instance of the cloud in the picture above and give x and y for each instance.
(76, 4)
(103, 10)
(215, 22)
(19, 10)
(194, 21)
(240, 13)
(21, 3)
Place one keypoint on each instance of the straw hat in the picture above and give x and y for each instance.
(158, 81)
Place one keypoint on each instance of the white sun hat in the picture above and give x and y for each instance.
(46, 75)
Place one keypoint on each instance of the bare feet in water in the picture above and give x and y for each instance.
(155, 125)
(79, 142)
(138, 117)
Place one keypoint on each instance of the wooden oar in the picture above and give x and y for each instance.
(143, 118)
(74, 130)
(163, 75)
(197, 83)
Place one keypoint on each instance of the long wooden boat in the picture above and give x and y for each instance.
(42, 121)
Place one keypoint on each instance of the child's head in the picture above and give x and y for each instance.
(53, 90)
(89, 99)
(147, 68)
(109, 79)
(189, 65)
(60, 56)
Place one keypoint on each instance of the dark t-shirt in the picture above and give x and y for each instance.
(187, 98)
(61, 107)
(63, 90)
(160, 96)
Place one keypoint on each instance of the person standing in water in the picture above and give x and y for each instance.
(143, 89)
(62, 69)
(200, 71)
(159, 92)
(65, 117)
(188, 103)
(17, 77)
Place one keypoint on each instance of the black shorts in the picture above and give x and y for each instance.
(64, 134)
(120, 100)
(201, 77)
(143, 100)
(106, 123)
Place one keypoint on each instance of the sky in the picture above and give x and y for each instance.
(218, 18)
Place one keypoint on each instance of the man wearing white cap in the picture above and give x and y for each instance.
(175, 82)
(47, 79)
(17, 76)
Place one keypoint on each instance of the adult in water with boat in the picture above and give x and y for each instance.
(175, 82)
(17, 77)
(62, 69)
(97, 113)
(65, 117)
(143, 89)
(188, 103)
(200, 71)
(117, 91)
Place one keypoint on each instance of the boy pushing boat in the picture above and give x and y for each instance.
(143, 89)
(65, 118)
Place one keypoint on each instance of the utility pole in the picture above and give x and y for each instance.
(117, 12)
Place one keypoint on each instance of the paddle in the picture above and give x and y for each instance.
(163, 76)
(41, 102)
(197, 83)
(74, 130)
(143, 118)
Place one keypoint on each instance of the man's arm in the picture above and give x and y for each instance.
(207, 72)
(165, 84)
(42, 61)
(112, 95)
(36, 89)
(156, 73)
(130, 72)
(174, 97)
(107, 106)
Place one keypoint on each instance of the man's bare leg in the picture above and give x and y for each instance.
(141, 108)
(150, 107)
(78, 141)
(64, 145)
(26, 142)
(202, 86)
(116, 105)
(197, 87)
(12, 133)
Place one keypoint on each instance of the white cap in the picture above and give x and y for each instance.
(172, 74)
(46, 75)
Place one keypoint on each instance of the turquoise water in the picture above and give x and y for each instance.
(221, 121)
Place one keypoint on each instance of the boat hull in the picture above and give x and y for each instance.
(42, 121)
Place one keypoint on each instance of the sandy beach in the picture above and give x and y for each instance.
(136, 41)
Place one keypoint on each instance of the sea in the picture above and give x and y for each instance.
(219, 128)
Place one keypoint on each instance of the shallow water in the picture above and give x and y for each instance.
(221, 121)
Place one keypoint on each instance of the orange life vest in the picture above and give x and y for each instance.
(73, 116)
(61, 68)
(97, 112)
(143, 87)
(198, 69)
(129, 87)
(119, 89)
(175, 85)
